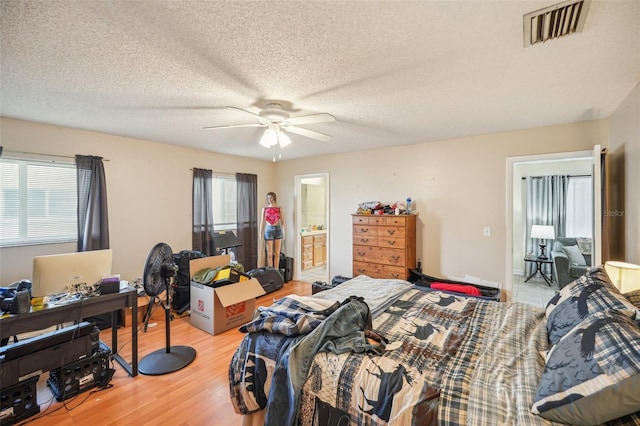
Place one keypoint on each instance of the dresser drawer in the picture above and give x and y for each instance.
(398, 220)
(391, 231)
(363, 268)
(360, 220)
(396, 272)
(379, 271)
(365, 240)
(365, 229)
(365, 254)
(386, 256)
(390, 242)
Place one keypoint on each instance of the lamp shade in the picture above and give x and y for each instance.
(625, 276)
(283, 139)
(544, 232)
(269, 138)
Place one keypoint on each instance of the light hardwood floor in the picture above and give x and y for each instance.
(196, 395)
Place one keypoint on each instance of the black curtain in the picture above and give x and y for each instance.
(93, 218)
(202, 236)
(247, 218)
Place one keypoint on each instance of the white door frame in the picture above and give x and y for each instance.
(510, 163)
(298, 219)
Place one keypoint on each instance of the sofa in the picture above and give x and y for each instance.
(571, 259)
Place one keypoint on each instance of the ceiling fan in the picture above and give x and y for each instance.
(278, 121)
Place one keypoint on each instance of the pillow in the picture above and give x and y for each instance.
(593, 374)
(633, 297)
(574, 254)
(592, 292)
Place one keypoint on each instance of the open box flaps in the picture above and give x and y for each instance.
(236, 293)
(215, 310)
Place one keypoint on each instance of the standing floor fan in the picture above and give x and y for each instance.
(159, 269)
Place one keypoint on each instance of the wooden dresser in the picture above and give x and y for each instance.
(384, 246)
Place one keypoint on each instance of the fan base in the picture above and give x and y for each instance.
(163, 362)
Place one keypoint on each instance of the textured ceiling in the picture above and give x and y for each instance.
(391, 72)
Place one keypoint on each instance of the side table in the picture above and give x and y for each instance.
(539, 262)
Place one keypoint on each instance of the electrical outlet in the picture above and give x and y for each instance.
(486, 231)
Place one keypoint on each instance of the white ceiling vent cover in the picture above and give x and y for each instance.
(556, 21)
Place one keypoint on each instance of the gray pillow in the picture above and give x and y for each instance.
(592, 292)
(593, 374)
(574, 255)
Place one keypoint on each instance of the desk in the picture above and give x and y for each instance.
(40, 318)
(539, 262)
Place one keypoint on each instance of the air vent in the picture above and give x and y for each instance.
(556, 21)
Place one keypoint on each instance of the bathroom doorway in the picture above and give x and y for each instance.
(312, 227)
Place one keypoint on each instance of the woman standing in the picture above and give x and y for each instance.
(272, 229)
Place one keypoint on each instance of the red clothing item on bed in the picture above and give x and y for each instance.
(457, 288)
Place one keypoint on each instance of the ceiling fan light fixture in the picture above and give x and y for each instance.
(269, 138)
(283, 139)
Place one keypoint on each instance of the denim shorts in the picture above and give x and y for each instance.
(273, 232)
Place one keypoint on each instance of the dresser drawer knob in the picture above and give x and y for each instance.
(361, 253)
(364, 229)
(391, 242)
(391, 231)
(395, 258)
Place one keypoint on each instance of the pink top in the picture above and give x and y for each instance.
(272, 215)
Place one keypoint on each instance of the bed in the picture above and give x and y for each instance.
(375, 352)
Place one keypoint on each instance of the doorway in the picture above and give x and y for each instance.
(581, 162)
(312, 227)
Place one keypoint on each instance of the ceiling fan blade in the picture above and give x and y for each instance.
(312, 118)
(245, 111)
(231, 126)
(308, 133)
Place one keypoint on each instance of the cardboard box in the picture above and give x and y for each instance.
(215, 310)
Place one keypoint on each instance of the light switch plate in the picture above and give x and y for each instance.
(486, 231)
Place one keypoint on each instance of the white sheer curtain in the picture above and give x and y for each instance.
(579, 222)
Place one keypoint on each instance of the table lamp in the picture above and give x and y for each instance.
(544, 232)
(625, 276)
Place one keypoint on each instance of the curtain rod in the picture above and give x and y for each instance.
(539, 177)
(44, 155)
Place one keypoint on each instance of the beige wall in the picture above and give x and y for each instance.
(459, 186)
(624, 172)
(148, 191)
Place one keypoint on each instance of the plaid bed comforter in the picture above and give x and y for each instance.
(451, 360)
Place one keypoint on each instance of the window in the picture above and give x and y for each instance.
(224, 202)
(579, 222)
(38, 202)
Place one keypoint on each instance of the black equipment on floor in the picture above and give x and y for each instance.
(159, 269)
(80, 376)
(286, 267)
(226, 242)
(19, 401)
(36, 354)
(424, 280)
(181, 297)
(269, 278)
